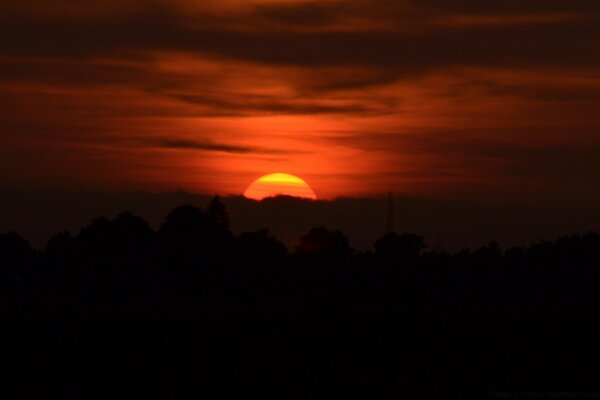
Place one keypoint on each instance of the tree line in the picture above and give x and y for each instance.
(120, 310)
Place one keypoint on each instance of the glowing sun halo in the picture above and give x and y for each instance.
(279, 184)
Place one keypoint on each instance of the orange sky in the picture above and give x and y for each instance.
(435, 98)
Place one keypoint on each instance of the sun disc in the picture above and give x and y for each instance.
(279, 184)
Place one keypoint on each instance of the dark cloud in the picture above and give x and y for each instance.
(510, 6)
(402, 44)
(485, 154)
(570, 42)
(188, 144)
(414, 53)
(548, 93)
(305, 14)
(248, 105)
(72, 72)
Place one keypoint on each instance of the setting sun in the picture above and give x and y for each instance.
(278, 184)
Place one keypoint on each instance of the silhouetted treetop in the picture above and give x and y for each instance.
(217, 214)
(190, 234)
(261, 247)
(16, 255)
(394, 248)
(185, 223)
(324, 244)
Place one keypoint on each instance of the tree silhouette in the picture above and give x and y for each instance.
(16, 255)
(323, 244)
(194, 311)
(262, 249)
(217, 215)
(395, 249)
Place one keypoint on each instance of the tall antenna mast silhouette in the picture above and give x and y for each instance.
(390, 213)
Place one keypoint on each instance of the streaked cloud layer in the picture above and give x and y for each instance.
(487, 100)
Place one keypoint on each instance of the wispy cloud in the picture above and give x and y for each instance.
(188, 144)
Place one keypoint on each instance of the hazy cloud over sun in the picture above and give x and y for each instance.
(494, 100)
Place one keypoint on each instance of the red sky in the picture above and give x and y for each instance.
(438, 98)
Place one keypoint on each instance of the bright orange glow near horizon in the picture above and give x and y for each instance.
(278, 184)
